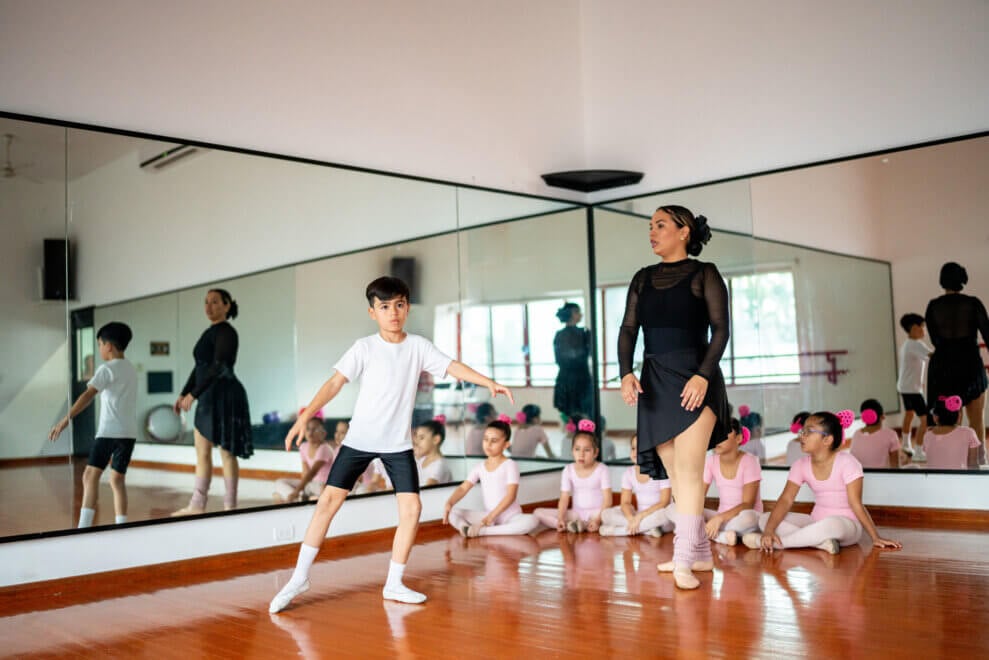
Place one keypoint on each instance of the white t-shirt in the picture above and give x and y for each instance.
(389, 375)
(116, 382)
(913, 362)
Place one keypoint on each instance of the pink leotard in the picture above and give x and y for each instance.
(525, 441)
(830, 495)
(494, 486)
(646, 494)
(950, 451)
(873, 449)
(323, 453)
(586, 493)
(730, 490)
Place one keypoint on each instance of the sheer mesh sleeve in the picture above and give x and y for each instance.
(224, 355)
(716, 298)
(982, 319)
(629, 332)
(190, 382)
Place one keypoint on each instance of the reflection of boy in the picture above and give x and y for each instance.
(914, 355)
(116, 383)
(388, 364)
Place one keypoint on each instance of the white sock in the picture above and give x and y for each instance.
(395, 573)
(120, 519)
(86, 517)
(307, 555)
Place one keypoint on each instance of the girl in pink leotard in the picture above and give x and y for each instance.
(586, 481)
(499, 479)
(649, 515)
(839, 517)
(949, 446)
(737, 475)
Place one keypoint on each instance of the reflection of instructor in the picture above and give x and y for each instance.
(222, 415)
(572, 349)
(954, 322)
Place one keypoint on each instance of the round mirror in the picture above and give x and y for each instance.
(163, 424)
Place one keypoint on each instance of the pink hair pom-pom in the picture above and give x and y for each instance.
(746, 436)
(846, 418)
(870, 416)
(472, 408)
(953, 403)
(795, 427)
(504, 418)
(440, 418)
(520, 417)
(586, 425)
(570, 427)
(744, 410)
(317, 415)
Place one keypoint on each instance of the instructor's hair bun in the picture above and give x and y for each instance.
(700, 234)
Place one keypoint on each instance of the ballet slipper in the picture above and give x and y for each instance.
(697, 566)
(684, 579)
(188, 511)
(727, 538)
(830, 546)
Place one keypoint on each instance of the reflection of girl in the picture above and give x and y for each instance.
(683, 405)
(648, 516)
(572, 348)
(949, 446)
(954, 322)
(317, 457)
(426, 444)
(483, 415)
(530, 433)
(222, 415)
(794, 452)
(835, 477)
(875, 446)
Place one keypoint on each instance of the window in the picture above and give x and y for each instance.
(513, 342)
(763, 347)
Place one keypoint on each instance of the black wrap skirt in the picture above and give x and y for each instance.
(224, 418)
(660, 415)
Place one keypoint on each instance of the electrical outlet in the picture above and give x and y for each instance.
(286, 533)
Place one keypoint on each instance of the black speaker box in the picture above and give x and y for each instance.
(404, 268)
(58, 282)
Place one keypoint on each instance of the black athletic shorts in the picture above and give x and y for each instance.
(915, 402)
(350, 464)
(119, 449)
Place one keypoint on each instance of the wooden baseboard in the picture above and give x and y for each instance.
(31, 461)
(246, 473)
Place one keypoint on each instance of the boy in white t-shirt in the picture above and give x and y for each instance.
(914, 355)
(116, 383)
(388, 364)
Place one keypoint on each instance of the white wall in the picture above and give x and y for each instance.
(33, 349)
(690, 92)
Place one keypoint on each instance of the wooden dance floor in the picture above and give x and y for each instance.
(554, 595)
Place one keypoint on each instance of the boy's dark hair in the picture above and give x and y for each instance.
(954, 277)
(872, 404)
(385, 289)
(832, 426)
(436, 428)
(116, 333)
(227, 300)
(504, 427)
(907, 321)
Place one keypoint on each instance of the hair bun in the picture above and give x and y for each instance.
(586, 425)
(744, 410)
(846, 418)
(746, 436)
(703, 230)
(440, 418)
(795, 427)
(504, 418)
(869, 416)
(521, 418)
(570, 427)
(953, 403)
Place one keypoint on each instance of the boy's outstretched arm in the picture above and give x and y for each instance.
(81, 403)
(461, 371)
(325, 394)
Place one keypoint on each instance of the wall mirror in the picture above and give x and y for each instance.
(859, 243)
